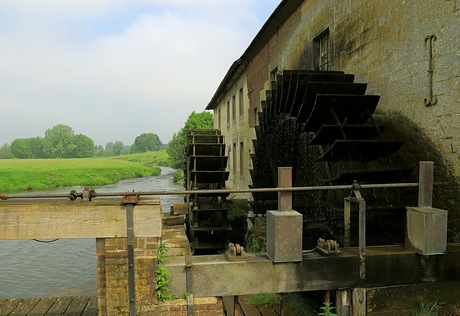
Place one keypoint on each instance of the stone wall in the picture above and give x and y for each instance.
(383, 43)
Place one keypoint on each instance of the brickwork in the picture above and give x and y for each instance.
(112, 274)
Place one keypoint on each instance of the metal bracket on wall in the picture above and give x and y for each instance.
(130, 200)
(431, 100)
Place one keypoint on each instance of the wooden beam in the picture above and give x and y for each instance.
(100, 218)
(385, 265)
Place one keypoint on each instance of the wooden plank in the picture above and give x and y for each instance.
(266, 311)
(77, 306)
(60, 306)
(7, 306)
(91, 307)
(42, 307)
(247, 309)
(25, 306)
(76, 219)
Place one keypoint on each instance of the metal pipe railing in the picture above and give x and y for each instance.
(220, 191)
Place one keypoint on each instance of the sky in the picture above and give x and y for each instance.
(114, 69)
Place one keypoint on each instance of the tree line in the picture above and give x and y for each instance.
(60, 141)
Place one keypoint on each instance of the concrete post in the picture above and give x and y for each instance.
(284, 226)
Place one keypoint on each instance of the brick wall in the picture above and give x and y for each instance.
(112, 274)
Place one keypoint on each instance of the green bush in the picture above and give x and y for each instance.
(178, 175)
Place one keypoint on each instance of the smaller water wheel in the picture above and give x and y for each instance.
(205, 165)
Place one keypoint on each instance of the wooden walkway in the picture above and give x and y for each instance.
(251, 310)
(50, 306)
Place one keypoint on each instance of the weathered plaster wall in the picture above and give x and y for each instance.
(383, 44)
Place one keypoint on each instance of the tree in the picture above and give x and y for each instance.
(36, 145)
(203, 120)
(109, 145)
(175, 150)
(82, 147)
(118, 148)
(5, 152)
(57, 139)
(146, 142)
(20, 149)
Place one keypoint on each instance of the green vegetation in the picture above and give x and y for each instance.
(179, 175)
(37, 174)
(237, 214)
(254, 244)
(203, 120)
(60, 141)
(145, 142)
(157, 158)
(327, 309)
(266, 300)
(161, 276)
(427, 309)
(301, 305)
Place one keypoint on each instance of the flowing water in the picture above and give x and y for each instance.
(67, 266)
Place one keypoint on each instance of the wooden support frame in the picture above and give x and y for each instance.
(101, 218)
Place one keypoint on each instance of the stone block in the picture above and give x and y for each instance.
(179, 208)
(426, 231)
(284, 236)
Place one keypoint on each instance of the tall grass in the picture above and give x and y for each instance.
(36, 174)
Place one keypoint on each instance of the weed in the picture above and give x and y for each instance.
(266, 300)
(237, 214)
(254, 244)
(161, 276)
(327, 309)
(427, 309)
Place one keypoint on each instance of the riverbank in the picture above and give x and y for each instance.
(40, 174)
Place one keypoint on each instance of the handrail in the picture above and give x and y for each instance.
(223, 191)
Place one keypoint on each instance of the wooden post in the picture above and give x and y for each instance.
(346, 221)
(425, 188)
(285, 181)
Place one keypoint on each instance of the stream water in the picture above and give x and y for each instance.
(67, 266)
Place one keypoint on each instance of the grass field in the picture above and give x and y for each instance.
(37, 174)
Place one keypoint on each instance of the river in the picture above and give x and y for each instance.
(67, 266)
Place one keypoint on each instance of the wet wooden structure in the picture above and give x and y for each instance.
(50, 306)
(205, 168)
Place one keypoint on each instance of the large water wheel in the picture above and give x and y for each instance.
(321, 123)
(205, 168)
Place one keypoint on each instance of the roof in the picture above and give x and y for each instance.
(270, 27)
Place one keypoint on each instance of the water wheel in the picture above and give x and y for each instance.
(321, 124)
(205, 165)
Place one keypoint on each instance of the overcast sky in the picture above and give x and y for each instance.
(114, 69)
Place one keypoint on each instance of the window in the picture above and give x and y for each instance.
(241, 161)
(273, 74)
(228, 112)
(235, 165)
(233, 107)
(322, 51)
(240, 102)
(218, 120)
